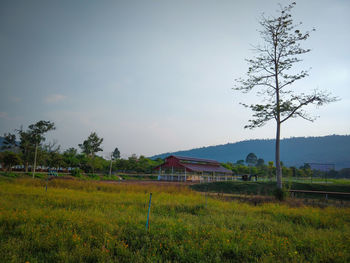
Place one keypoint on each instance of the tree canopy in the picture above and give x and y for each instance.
(272, 72)
(91, 145)
(116, 154)
(251, 159)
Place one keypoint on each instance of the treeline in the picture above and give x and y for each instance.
(253, 165)
(25, 150)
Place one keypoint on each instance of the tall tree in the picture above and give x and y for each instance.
(91, 146)
(115, 155)
(270, 72)
(37, 132)
(53, 158)
(9, 159)
(251, 159)
(70, 158)
(26, 147)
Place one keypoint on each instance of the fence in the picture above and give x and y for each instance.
(196, 178)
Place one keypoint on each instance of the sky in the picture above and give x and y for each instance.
(157, 76)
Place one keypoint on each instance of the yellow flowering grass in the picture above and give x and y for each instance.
(79, 221)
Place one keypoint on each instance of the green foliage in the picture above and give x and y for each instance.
(9, 159)
(54, 159)
(268, 188)
(70, 158)
(93, 176)
(41, 175)
(241, 162)
(91, 145)
(136, 165)
(272, 72)
(27, 147)
(95, 222)
(116, 154)
(31, 139)
(280, 194)
(9, 174)
(75, 172)
(251, 159)
(38, 130)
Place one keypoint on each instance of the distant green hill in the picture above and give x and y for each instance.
(294, 151)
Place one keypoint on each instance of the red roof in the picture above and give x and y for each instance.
(193, 164)
(182, 158)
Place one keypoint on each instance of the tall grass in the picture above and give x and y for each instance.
(267, 188)
(96, 222)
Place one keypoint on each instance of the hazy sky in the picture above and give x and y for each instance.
(157, 76)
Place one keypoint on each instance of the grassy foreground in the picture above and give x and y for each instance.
(267, 188)
(79, 221)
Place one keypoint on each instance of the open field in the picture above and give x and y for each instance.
(86, 221)
(266, 188)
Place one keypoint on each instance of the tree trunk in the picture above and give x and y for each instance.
(278, 123)
(278, 160)
(110, 168)
(93, 164)
(26, 167)
(36, 152)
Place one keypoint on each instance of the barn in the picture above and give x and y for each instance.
(179, 168)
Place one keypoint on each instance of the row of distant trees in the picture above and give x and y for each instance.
(28, 149)
(257, 166)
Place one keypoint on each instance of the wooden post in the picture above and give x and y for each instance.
(110, 167)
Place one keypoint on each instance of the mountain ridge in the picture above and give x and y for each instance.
(295, 151)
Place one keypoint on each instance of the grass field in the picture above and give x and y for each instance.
(267, 188)
(86, 221)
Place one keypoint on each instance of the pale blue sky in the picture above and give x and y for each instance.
(156, 76)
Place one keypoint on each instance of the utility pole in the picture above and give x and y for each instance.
(110, 167)
(36, 152)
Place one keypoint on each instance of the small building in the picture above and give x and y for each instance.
(179, 168)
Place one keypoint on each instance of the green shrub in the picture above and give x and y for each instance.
(93, 176)
(40, 175)
(9, 174)
(76, 172)
(280, 194)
